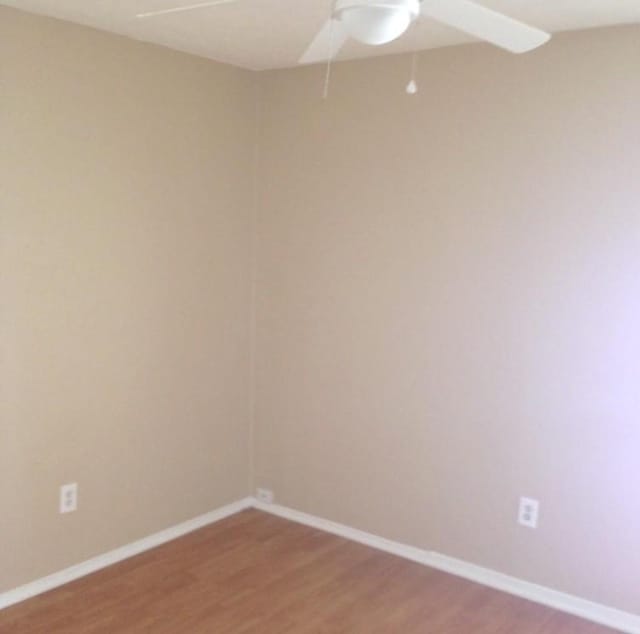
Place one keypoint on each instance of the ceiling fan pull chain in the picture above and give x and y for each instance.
(327, 76)
(327, 81)
(412, 86)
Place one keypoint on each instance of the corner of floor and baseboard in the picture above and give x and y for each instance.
(588, 610)
(576, 606)
(82, 569)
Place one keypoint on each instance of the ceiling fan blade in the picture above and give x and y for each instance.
(326, 44)
(486, 24)
(189, 7)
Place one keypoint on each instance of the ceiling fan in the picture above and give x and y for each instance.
(377, 22)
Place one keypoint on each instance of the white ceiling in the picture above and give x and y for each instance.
(263, 34)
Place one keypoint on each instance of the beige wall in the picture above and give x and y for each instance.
(449, 302)
(448, 299)
(126, 210)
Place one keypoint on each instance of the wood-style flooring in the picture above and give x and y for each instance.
(257, 573)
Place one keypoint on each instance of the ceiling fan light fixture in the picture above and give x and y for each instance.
(378, 21)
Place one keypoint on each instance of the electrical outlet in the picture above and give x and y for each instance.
(264, 495)
(528, 512)
(69, 497)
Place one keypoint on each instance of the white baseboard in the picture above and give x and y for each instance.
(595, 612)
(119, 554)
(616, 619)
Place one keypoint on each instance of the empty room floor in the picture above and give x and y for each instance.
(254, 572)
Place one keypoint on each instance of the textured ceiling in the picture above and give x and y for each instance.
(263, 34)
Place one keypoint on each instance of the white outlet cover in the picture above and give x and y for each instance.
(528, 512)
(69, 497)
(264, 495)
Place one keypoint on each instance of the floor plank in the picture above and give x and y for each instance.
(255, 573)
